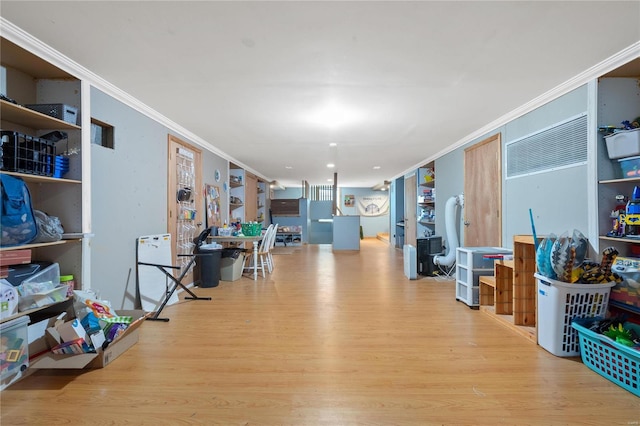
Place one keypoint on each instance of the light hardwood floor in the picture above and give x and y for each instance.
(327, 339)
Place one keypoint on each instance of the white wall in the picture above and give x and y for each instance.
(371, 225)
(129, 195)
(558, 198)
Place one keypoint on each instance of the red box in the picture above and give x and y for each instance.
(15, 257)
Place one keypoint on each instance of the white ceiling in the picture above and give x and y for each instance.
(412, 79)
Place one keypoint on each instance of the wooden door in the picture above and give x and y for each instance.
(250, 198)
(185, 200)
(483, 193)
(410, 210)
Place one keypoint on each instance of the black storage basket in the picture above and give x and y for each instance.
(26, 154)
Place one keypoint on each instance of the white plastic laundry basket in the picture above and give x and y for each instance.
(558, 304)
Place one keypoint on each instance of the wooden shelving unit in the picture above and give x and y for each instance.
(510, 295)
(426, 202)
(31, 80)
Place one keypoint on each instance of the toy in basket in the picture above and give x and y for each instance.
(570, 288)
(251, 229)
(612, 360)
(559, 303)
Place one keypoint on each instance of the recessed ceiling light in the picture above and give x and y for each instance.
(288, 167)
(333, 144)
(331, 165)
(329, 180)
(376, 167)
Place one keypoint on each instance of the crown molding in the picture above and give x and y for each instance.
(615, 61)
(16, 35)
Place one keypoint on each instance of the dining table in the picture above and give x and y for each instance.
(241, 239)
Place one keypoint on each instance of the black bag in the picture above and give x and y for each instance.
(16, 214)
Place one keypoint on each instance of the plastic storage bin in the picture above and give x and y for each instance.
(558, 304)
(231, 264)
(26, 154)
(14, 350)
(611, 360)
(46, 284)
(630, 167)
(623, 144)
(62, 112)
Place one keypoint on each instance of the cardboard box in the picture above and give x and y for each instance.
(101, 358)
(72, 330)
(15, 257)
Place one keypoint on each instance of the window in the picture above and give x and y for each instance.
(101, 134)
(321, 193)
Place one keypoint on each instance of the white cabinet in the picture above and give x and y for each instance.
(471, 264)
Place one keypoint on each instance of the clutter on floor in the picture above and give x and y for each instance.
(574, 318)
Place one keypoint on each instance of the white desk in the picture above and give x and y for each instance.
(255, 241)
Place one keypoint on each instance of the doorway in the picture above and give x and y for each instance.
(410, 210)
(483, 193)
(185, 200)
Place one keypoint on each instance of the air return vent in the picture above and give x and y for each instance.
(561, 145)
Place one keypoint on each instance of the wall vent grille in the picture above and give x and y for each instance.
(558, 146)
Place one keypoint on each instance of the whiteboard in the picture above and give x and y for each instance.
(152, 283)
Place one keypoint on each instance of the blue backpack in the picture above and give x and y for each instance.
(16, 214)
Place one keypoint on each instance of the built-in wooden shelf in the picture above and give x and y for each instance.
(36, 245)
(40, 179)
(633, 179)
(622, 240)
(33, 119)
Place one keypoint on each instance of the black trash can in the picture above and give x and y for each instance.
(206, 273)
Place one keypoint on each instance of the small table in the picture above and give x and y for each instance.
(255, 240)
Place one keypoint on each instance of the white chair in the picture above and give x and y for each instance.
(263, 249)
(270, 264)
